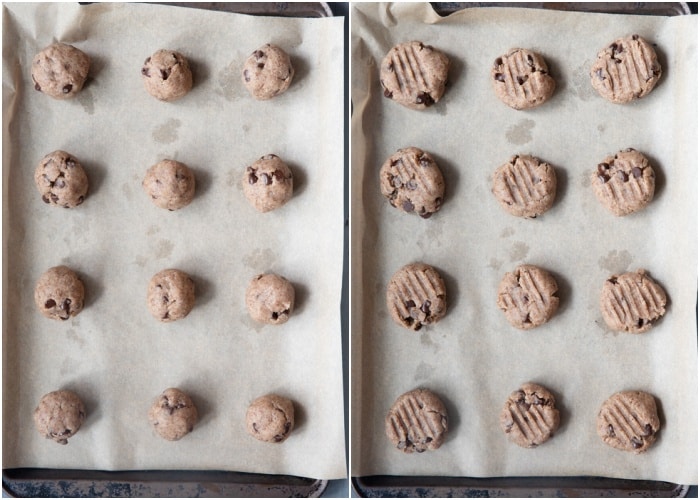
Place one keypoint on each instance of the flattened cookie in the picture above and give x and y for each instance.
(173, 415)
(417, 421)
(529, 416)
(521, 79)
(267, 72)
(412, 181)
(416, 296)
(169, 184)
(624, 183)
(61, 180)
(268, 183)
(60, 70)
(170, 295)
(270, 418)
(166, 75)
(528, 296)
(632, 302)
(629, 421)
(414, 74)
(525, 186)
(626, 70)
(59, 415)
(270, 299)
(59, 293)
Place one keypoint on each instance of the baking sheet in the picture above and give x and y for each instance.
(473, 358)
(114, 354)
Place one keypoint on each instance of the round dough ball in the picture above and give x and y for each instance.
(166, 75)
(60, 70)
(170, 295)
(270, 418)
(59, 415)
(173, 415)
(270, 299)
(59, 293)
(61, 180)
(268, 183)
(267, 72)
(170, 184)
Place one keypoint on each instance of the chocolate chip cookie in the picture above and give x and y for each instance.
(414, 74)
(417, 421)
(412, 181)
(629, 421)
(60, 70)
(173, 415)
(166, 75)
(61, 180)
(267, 72)
(529, 416)
(416, 296)
(270, 299)
(169, 184)
(525, 186)
(626, 70)
(624, 183)
(632, 302)
(59, 415)
(528, 296)
(521, 79)
(268, 183)
(59, 293)
(170, 295)
(270, 418)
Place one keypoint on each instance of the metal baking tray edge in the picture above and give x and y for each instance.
(519, 487)
(35, 482)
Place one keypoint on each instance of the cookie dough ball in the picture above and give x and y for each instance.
(60, 70)
(521, 79)
(59, 415)
(59, 293)
(270, 299)
(525, 186)
(414, 74)
(270, 418)
(629, 421)
(170, 295)
(632, 302)
(528, 296)
(416, 296)
(170, 184)
(417, 421)
(268, 183)
(624, 183)
(531, 403)
(166, 75)
(267, 72)
(61, 180)
(626, 70)
(173, 415)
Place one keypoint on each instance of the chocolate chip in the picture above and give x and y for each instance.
(648, 431)
(145, 72)
(81, 199)
(165, 299)
(388, 93)
(497, 63)
(611, 430)
(287, 426)
(622, 176)
(255, 427)
(50, 303)
(54, 198)
(612, 280)
(45, 199)
(164, 74)
(390, 66)
(410, 304)
(60, 183)
(277, 174)
(408, 206)
(278, 438)
(66, 306)
(522, 79)
(426, 215)
(261, 65)
(265, 179)
(635, 37)
(36, 85)
(499, 77)
(530, 61)
(599, 74)
(636, 442)
(411, 185)
(401, 445)
(426, 307)
(425, 98)
(258, 54)
(67, 88)
(424, 161)
(275, 316)
(148, 59)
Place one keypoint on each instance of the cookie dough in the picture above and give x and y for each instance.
(270, 299)
(628, 421)
(270, 418)
(170, 295)
(528, 296)
(626, 70)
(525, 186)
(173, 415)
(60, 70)
(414, 74)
(170, 184)
(624, 183)
(417, 421)
(416, 296)
(632, 302)
(412, 181)
(61, 180)
(59, 293)
(267, 72)
(521, 79)
(268, 183)
(59, 415)
(166, 75)
(529, 416)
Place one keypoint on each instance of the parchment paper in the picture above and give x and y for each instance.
(114, 354)
(473, 359)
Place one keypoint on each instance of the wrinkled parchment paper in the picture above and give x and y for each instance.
(473, 358)
(114, 354)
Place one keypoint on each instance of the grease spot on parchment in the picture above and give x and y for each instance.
(586, 180)
(229, 79)
(152, 230)
(423, 371)
(507, 231)
(495, 263)
(166, 133)
(601, 127)
(582, 82)
(427, 341)
(260, 259)
(85, 99)
(232, 177)
(520, 133)
(163, 249)
(518, 251)
(616, 261)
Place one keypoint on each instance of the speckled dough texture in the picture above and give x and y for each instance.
(632, 302)
(528, 296)
(166, 75)
(170, 295)
(270, 299)
(169, 184)
(525, 186)
(59, 415)
(268, 183)
(60, 70)
(629, 421)
(624, 183)
(529, 416)
(267, 72)
(270, 418)
(59, 293)
(521, 79)
(416, 296)
(417, 421)
(173, 415)
(61, 180)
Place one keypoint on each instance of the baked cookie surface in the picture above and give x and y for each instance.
(268, 183)
(173, 415)
(416, 296)
(528, 296)
(61, 180)
(521, 79)
(166, 75)
(414, 74)
(59, 293)
(60, 70)
(170, 295)
(169, 184)
(270, 418)
(529, 416)
(417, 421)
(59, 415)
(632, 302)
(270, 299)
(267, 72)
(628, 421)
(624, 183)
(525, 186)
